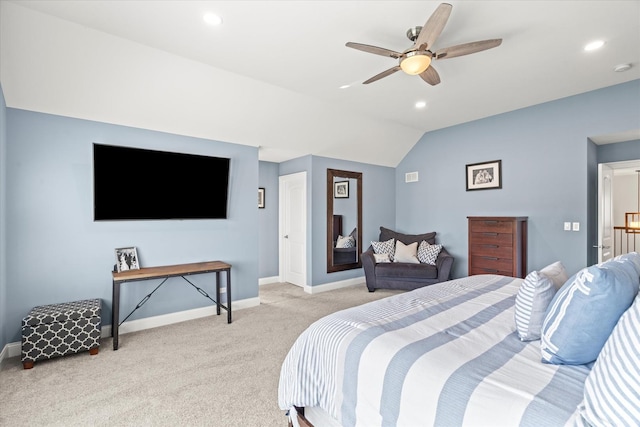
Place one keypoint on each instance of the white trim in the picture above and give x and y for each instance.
(268, 280)
(15, 348)
(334, 285)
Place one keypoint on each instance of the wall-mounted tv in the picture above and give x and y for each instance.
(139, 184)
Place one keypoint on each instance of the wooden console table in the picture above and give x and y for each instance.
(165, 272)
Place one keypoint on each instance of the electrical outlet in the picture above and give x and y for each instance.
(576, 226)
(567, 226)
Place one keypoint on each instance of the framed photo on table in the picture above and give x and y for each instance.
(127, 259)
(484, 176)
(341, 189)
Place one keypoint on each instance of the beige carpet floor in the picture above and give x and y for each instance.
(202, 372)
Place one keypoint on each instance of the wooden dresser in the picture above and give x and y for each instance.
(498, 245)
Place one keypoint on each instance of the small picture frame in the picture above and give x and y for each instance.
(127, 259)
(484, 176)
(341, 189)
(261, 198)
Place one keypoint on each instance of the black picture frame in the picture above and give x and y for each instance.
(484, 175)
(341, 189)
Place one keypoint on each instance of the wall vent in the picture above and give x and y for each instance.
(411, 177)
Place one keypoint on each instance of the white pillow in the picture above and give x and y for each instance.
(345, 242)
(381, 258)
(386, 247)
(428, 253)
(406, 253)
(557, 273)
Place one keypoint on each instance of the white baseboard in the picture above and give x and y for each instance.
(268, 280)
(15, 348)
(334, 285)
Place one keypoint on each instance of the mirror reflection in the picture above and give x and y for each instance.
(344, 219)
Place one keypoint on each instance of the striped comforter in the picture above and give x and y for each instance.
(444, 355)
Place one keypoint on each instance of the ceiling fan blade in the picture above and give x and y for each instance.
(381, 75)
(374, 49)
(433, 27)
(431, 76)
(466, 48)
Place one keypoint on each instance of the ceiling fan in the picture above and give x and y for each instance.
(417, 59)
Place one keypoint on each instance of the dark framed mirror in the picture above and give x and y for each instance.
(344, 220)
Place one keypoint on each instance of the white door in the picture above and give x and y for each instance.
(293, 228)
(605, 212)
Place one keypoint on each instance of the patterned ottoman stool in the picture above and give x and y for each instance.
(59, 329)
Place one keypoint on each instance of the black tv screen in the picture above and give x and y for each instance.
(139, 184)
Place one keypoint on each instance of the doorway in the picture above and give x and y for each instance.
(292, 236)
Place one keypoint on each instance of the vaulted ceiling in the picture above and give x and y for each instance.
(270, 75)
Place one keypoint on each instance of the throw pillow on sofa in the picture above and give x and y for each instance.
(406, 253)
(585, 310)
(345, 242)
(386, 234)
(384, 247)
(428, 253)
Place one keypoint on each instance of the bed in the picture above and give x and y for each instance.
(442, 355)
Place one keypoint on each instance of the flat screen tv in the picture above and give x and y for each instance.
(139, 184)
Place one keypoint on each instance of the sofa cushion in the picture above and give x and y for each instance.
(386, 234)
(406, 253)
(345, 242)
(406, 271)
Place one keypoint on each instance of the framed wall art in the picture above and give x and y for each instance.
(341, 189)
(484, 176)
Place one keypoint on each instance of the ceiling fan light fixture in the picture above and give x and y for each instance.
(414, 63)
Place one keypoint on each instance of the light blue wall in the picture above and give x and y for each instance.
(546, 170)
(57, 253)
(268, 217)
(609, 153)
(378, 195)
(4, 328)
(378, 208)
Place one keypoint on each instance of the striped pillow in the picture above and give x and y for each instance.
(612, 389)
(532, 301)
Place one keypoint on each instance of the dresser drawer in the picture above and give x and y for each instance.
(491, 250)
(476, 270)
(491, 226)
(491, 263)
(491, 238)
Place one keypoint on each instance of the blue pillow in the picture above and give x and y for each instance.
(585, 310)
(612, 389)
(533, 299)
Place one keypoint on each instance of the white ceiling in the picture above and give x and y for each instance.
(269, 76)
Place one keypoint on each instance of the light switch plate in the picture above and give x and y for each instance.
(576, 226)
(567, 226)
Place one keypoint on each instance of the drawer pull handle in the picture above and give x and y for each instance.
(492, 258)
(491, 246)
(490, 234)
(490, 270)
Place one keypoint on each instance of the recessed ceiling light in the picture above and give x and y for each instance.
(594, 45)
(212, 19)
(622, 67)
(421, 104)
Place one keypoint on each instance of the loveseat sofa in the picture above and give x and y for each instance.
(405, 275)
